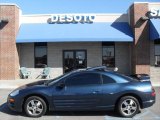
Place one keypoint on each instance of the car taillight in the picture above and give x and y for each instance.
(153, 92)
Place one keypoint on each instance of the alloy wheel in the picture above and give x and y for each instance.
(35, 107)
(128, 107)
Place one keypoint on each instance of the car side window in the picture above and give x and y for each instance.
(107, 79)
(83, 79)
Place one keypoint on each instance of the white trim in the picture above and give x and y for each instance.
(98, 14)
(43, 18)
(140, 2)
(9, 4)
(20, 17)
(154, 3)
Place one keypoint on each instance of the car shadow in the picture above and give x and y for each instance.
(83, 113)
(4, 109)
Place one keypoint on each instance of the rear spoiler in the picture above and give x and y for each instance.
(141, 77)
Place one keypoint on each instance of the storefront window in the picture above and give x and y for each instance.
(74, 59)
(40, 55)
(157, 53)
(108, 54)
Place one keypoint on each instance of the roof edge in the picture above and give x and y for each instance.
(9, 4)
(108, 14)
(139, 2)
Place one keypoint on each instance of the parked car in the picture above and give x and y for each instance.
(92, 89)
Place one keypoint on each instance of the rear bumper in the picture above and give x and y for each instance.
(148, 103)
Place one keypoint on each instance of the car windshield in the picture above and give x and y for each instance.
(129, 78)
(125, 77)
(57, 78)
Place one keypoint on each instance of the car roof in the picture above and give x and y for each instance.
(119, 78)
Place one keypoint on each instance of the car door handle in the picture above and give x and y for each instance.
(95, 92)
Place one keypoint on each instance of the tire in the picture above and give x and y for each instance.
(35, 106)
(128, 106)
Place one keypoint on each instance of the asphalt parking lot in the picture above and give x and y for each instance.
(152, 113)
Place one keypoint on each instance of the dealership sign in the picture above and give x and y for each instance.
(71, 19)
(155, 12)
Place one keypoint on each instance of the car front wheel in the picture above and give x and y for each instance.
(128, 106)
(35, 106)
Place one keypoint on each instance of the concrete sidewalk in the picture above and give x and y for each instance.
(12, 84)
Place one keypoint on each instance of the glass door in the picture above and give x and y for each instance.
(80, 59)
(74, 59)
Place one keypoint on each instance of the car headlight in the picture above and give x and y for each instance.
(14, 93)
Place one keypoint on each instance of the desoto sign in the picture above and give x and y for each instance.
(155, 12)
(72, 19)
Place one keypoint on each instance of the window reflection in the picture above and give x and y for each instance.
(74, 59)
(108, 51)
(40, 55)
(68, 61)
(157, 52)
(80, 59)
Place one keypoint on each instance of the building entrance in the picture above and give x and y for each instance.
(74, 59)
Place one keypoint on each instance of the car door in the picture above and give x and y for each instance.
(80, 92)
(109, 91)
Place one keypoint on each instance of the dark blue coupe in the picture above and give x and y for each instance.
(92, 89)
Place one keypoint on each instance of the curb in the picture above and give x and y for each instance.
(8, 87)
(156, 85)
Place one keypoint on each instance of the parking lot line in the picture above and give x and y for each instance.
(140, 116)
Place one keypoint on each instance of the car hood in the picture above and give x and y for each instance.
(34, 84)
(41, 82)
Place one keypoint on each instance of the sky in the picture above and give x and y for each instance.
(74, 6)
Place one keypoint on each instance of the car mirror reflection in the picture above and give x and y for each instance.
(61, 85)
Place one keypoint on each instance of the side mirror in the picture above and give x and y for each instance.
(61, 85)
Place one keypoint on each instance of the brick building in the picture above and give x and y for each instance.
(129, 41)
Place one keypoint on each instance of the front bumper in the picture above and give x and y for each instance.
(16, 105)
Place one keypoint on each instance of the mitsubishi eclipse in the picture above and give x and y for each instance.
(91, 89)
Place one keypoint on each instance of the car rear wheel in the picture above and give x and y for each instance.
(128, 106)
(35, 107)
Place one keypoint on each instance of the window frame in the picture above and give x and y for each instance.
(105, 44)
(74, 55)
(35, 45)
(100, 77)
(156, 42)
(108, 77)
